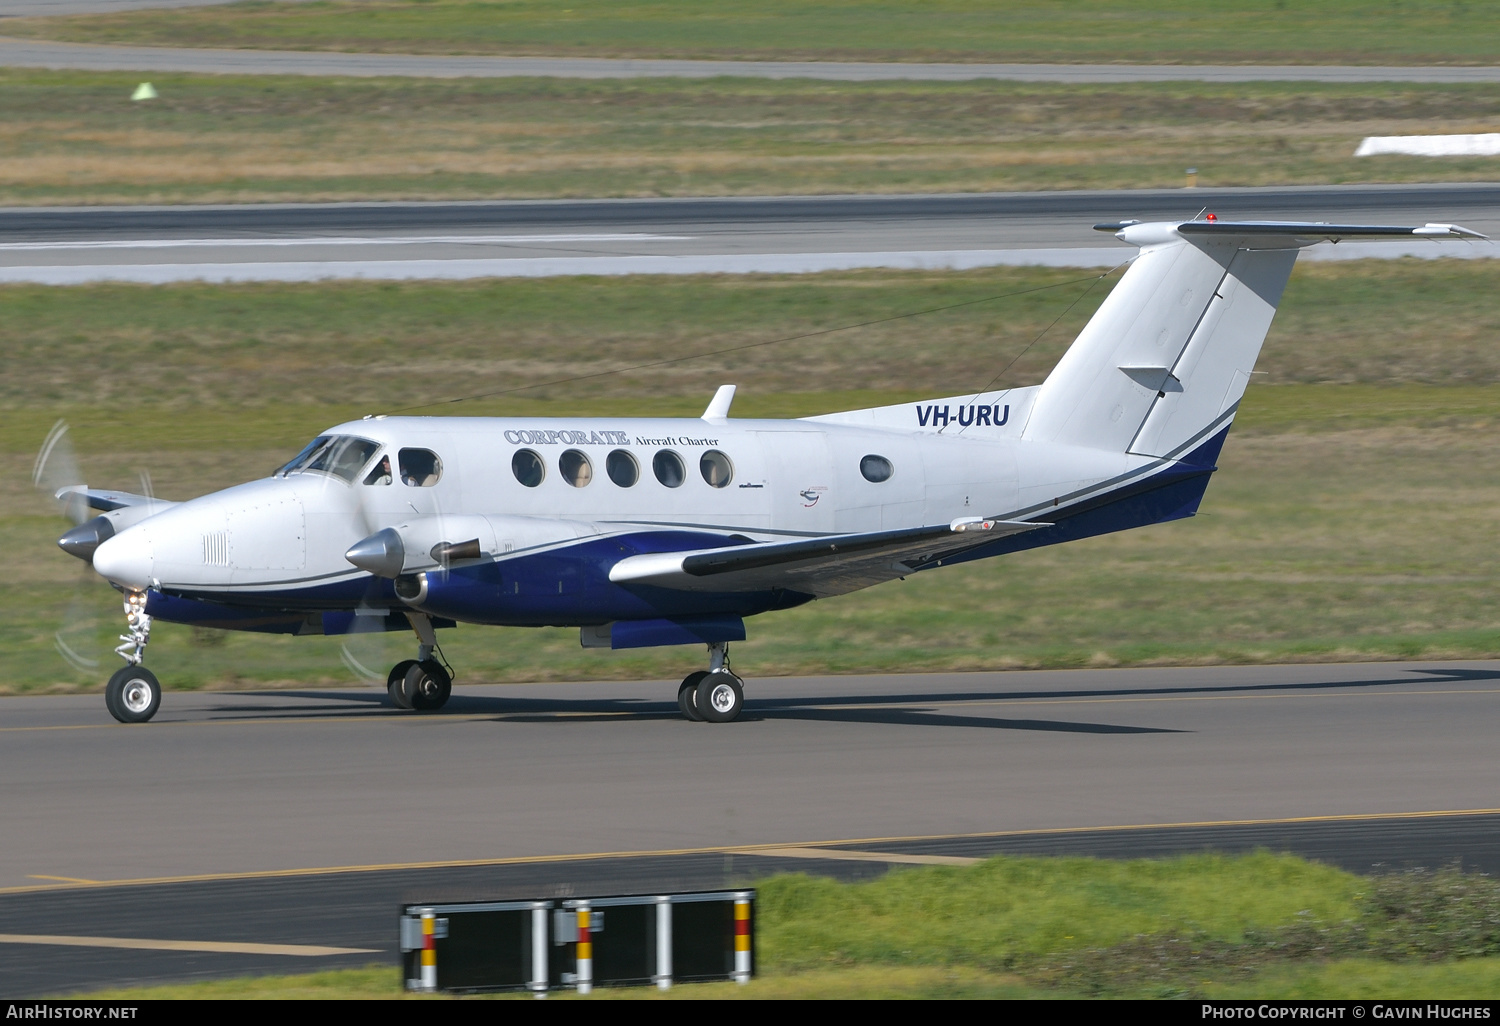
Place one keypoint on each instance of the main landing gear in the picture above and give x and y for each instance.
(423, 683)
(714, 695)
(133, 694)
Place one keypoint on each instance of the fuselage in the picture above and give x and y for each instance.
(597, 489)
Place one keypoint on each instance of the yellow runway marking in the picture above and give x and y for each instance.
(221, 947)
(1190, 698)
(860, 856)
(64, 879)
(750, 849)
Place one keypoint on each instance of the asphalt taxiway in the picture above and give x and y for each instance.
(773, 234)
(37, 53)
(184, 847)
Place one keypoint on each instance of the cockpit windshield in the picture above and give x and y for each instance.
(339, 455)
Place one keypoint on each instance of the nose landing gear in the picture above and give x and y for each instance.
(133, 694)
(715, 695)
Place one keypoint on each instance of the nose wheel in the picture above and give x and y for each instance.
(133, 694)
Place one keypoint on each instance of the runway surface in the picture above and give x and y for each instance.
(773, 234)
(303, 817)
(26, 53)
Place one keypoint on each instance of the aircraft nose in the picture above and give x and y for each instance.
(126, 559)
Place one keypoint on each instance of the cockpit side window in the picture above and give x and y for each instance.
(420, 468)
(340, 455)
(380, 474)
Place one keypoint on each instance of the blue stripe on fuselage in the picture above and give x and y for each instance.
(571, 585)
(1172, 493)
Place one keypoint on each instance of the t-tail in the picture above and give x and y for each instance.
(1160, 368)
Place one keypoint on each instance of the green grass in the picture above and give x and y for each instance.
(1347, 979)
(1158, 31)
(1352, 518)
(75, 137)
(336, 349)
(1260, 925)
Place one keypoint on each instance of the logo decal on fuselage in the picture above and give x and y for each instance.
(567, 437)
(967, 416)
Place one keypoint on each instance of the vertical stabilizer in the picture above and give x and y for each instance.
(1166, 358)
(1187, 319)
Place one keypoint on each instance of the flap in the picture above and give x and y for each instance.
(831, 565)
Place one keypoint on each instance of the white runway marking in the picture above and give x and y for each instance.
(737, 263)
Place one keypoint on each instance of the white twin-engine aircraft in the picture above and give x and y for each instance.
(672, 532)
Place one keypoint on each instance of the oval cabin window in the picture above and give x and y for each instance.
(622, 468)
(528, 468)
(668, 468)
(716, 468)
(420, 468)
(576, 468)
(876, 469)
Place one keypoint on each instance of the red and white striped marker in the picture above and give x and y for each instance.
(429, 952)
(742, 940)
(585, 952)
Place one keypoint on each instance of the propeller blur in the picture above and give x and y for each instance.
(645, 532)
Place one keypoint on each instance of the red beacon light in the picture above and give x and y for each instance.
(1213, 217)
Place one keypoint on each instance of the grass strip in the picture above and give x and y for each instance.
(370, 347)
(77, 138)
(1261, 925)
(1108, 31)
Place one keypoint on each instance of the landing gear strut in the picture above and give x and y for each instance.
(133, 694)
(716, 695)
(423, 683)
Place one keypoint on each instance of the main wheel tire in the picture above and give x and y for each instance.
(687, 695)
(720, 697)
(395, 681)
(133, 694)
(427, 686)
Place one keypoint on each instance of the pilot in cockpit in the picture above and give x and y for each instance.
(381, 475)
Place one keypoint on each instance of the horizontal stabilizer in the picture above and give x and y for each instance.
(1313, 231)
(816, 566)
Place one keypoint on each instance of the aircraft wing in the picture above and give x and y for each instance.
(831, 565)
(106, 500)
